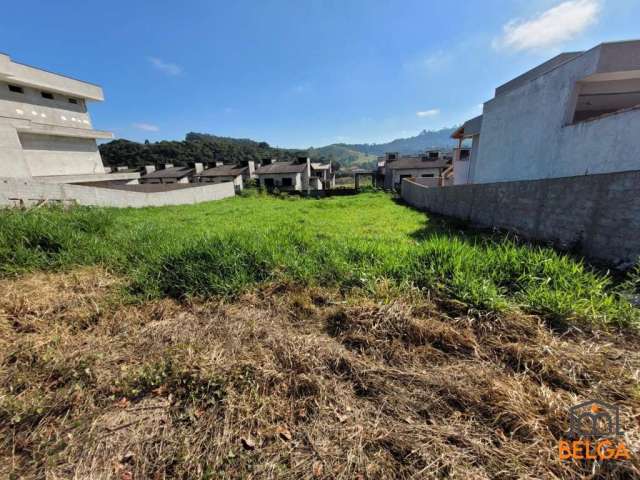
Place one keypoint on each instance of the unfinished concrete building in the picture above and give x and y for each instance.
(576, 114)
(325, 173)
(288, 176)
(220, 172)
(45, 127)
(427, 167)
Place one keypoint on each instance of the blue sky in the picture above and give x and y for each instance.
(299, 73)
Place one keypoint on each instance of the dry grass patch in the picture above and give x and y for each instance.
(292, 383)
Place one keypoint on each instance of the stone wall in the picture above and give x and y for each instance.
(598, 215)
(16, 192)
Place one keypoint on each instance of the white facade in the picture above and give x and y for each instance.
(577, 114)
(430, 165)
(292, 176)
(45, 129)
(237, 180)
(281, 181)
(399, 174)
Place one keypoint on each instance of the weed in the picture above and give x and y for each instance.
(223, 248)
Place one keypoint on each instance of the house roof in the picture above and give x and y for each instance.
(281, 167)
(223, 171)
(22, 74)
(469, 128)
(417, 162)
(173, 172)
(536, 72)
(607, 57)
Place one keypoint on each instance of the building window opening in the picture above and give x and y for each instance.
(73, 100)
(596, 99)
(16, 89)
(287, 182)
(47, 95)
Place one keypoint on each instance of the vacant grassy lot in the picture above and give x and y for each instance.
(285, 338)
(223, 247)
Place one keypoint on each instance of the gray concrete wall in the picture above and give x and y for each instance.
(19, 192)
(47, 155)
(526, 132)
(597, 214)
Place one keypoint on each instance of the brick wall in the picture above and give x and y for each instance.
(599, 215)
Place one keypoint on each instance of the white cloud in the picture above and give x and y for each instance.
(549, 28)
(428, 113)
(165, 67)
(146, 127)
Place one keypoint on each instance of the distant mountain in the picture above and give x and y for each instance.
(345, 156)
(198, 146)
(423, 141)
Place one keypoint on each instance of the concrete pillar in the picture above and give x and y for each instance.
(251, 165)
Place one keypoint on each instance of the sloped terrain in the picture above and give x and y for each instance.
(290, 381)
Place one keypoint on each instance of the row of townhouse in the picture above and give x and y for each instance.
(299, 175)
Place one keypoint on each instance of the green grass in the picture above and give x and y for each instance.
(221, 248)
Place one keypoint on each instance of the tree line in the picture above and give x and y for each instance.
(196, 147)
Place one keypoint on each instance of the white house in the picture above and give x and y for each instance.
(238, 174)
(576, 114)
(325, 173)
(45, 128)
(288, 176)
(428, 167)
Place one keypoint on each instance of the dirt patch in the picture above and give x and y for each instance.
(292, 383)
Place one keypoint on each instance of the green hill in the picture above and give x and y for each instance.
(345, 156)
(199, 147)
